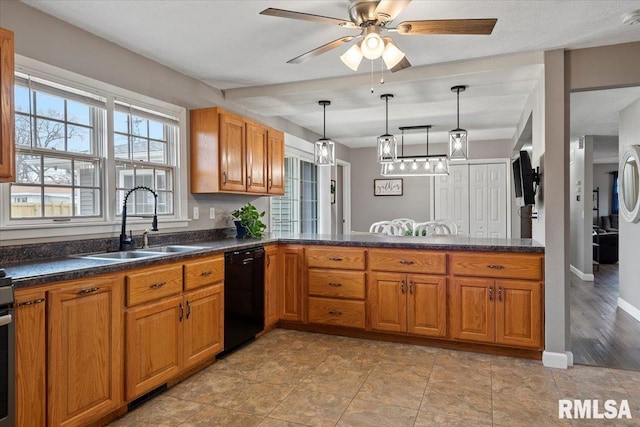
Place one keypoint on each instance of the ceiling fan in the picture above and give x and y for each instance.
(372, 18)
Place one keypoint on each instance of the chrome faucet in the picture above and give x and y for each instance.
(128, 240)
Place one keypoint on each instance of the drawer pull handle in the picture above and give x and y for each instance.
(157, 285)
(490, 293)
(406, 262)
(249, 181)
(188, 309)
(402, 287)
(270, 183)
(495, 266)
(87, 291)
(499, 293)
(35, 301)
(206, 273)
(411, 287)
(333, 258)
(335, 313)
(181, 312)
(335, 285)
(224, 177)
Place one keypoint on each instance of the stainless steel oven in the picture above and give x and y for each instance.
(7, 341)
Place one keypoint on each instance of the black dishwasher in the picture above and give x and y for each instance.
(243, 296)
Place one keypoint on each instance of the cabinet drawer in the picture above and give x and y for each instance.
(336, 312)
(152, 284)
(500, 265)
(203, 272)
(337, 283)
(336, 257)
(408, 261)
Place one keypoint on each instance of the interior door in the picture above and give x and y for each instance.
(488, 200)
(452, 197)
(478, 200)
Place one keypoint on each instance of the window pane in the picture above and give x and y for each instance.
(164, 180)
(78, 113)
(139, 126)
(124, 176)
(165, 202)
(87, 202)
(49, 134)
(57, 171)
(121, 122)
(79, 139)
(140, 149)
(157, 152)
(26, 201)
(86, 174)
(28, 168)
(49, 106)
(144, 202)
(57, 202)
(156, 130)
(144, 177)
(23, 130)
(21, 94)
(121, 146)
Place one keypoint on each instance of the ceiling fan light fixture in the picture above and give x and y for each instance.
(352, 57)
(324, 150)
(458, 141)
(372, 46)
(391, 55)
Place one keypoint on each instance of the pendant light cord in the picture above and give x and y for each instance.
(324, 121)
(386, 115)
(427, 142)
(458, 96)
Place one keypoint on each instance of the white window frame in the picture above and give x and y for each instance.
(109, 223)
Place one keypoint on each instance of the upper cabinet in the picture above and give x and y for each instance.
(232, 154)
(7, 131)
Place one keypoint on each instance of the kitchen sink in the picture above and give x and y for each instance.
(172, 249)
(124, 255)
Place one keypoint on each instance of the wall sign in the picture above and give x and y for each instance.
(387, 187)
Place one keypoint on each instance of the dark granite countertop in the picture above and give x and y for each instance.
(45, 271)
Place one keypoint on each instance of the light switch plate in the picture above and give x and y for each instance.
(196, 212)
(212, 213)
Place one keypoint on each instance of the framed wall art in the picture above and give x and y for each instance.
(387, 187)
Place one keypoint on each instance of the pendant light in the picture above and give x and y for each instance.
(429, 165)
(324, 149)
(458, 142)
(387, 144)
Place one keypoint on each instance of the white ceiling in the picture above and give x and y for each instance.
(229, 45)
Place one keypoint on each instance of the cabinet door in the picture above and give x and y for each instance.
(232, 153)
(30, 358)
(256, 158)
(154, 340)
(7, 130)
(203, 324)
(388, 302)
(519, 313)
(291, 291)
(271, 281)
(427, 305)
(84, 378)
(472, 310)
(276, 162)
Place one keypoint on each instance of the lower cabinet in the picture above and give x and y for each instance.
(271, 280)
(408, 303)
(291, 290)
(203, 318)
(84, 369)
(507, 312)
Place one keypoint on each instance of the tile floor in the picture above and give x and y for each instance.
(290, 378)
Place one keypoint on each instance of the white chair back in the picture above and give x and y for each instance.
(406, 223)
(386, 227)
(452, 226)
(430, 227)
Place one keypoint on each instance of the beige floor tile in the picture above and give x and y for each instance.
(392, 390)
(430, 419)
(284, 372)
(161, 411)
(335, 378)
(403, 369)
(456, 399)
(311, 408)
(361, 413)
(204, 388)
(215, 416)
(272, 422)
(533, 413)
(460, 373)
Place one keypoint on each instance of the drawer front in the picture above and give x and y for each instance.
(501, 265)
(408, 261)
(336, 257)
(152, 284)
(332, 311)
(337, 283)
(203, 272)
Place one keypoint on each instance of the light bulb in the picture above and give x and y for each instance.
(427, 165)
(402, 166)
(372, 46)
(390, 167)
(457, 145)
(440, 165)
(414, 166)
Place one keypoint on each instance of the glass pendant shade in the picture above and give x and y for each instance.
(458, 146)
(387, 149)
(372, 46)
(352, 57)
(391, 54)
(324, 152)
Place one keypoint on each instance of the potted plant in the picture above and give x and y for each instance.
(248, 223)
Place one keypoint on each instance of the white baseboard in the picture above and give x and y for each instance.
(583, 276)
(633, 311)
(557, 360)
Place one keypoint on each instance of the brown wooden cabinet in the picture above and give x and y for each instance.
(203, 324)
(84, 367)
(271, 282)
(31, 385)
(291, 290)
(232, 154)
(7, 129)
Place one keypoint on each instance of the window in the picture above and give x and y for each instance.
(297, 210)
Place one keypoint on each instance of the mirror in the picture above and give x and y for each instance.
(630, 184)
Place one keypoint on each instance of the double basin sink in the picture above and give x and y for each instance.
(137, 254)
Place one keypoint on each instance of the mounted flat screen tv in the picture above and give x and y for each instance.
(524, 179)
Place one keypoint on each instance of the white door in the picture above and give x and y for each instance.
(488, 200)
(452, 197)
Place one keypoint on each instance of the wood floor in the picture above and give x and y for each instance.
(602, 334)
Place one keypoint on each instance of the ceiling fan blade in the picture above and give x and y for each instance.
(307, 17)
(390, 8)
(447, 26)
(404, 63)
(320, 50)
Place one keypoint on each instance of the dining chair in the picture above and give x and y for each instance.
(387, 227)
(406, 223)
(431, 228)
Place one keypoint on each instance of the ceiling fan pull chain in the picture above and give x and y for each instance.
(371, 76)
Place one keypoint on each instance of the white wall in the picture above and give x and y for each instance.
(629, 234)
(580, 206)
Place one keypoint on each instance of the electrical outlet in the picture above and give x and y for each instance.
(212, 213)
(196, 212)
